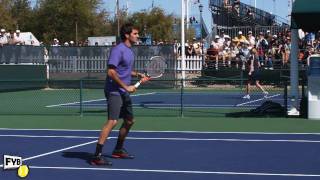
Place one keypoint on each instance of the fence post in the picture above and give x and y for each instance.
(241, 79)
(80, 100)
(181, 97)
(285, 97)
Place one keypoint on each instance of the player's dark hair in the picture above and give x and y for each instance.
(126, 29)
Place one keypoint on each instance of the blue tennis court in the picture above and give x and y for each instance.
(189, 100)
(54, 154)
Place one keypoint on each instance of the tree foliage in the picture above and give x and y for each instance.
(64, 19)
(154, 22)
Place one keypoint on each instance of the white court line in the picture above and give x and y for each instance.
(56, 151)
(166, 105)
(59, 150)
(146, 131)
(36, 136)
(176, 171)
(257, 100)
(73, 103)
(172, 139)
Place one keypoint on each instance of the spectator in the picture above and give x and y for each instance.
(286, 48)
(11, 39)
(262, 46)
(18, 38)
(215, 43)
(186, 47)
(226, 3)
(236, 7)
(71, 43)
(234, 51)
(240, 38)
(269, 37)
(55, 42)
(226, 51)
(221, 38)
(197, 49)
(3, 37)
(251, 39)
(244, 53)
(227, 40)
(190, 50)
(269, 59)
(250, 13)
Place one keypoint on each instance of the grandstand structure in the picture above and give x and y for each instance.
(226, 15)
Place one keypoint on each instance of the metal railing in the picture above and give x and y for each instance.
(261, 17)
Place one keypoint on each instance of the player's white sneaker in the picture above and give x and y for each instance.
(246, 96)
(265, 94)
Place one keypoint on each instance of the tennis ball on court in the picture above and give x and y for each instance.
(23, 171)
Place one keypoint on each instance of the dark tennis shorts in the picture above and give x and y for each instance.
(119, 106)
(255, 76)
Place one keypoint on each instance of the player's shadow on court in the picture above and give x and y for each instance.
(78, 155)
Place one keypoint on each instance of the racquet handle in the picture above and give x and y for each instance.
(137, 84)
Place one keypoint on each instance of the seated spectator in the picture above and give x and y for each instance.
(286, 52)
(239, 38)
(244, 53)
(234, 51)
(215, 43)
(251, 39)
(212, 53)
(197, 49)
(227, 40)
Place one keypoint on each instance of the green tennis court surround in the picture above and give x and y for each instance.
(21, 77)
(23, 72)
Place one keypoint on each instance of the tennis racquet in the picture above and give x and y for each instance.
(154, 69)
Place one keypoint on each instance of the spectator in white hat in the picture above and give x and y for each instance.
(18, 39)
(239, 38)
(215, 43)
(3, 37)
(55, 42)
(252, 40)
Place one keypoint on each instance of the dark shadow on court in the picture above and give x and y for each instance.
(79, 155)
(267, 109)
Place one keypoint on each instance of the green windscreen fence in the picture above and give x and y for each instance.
(210, 97)
(22, 77)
